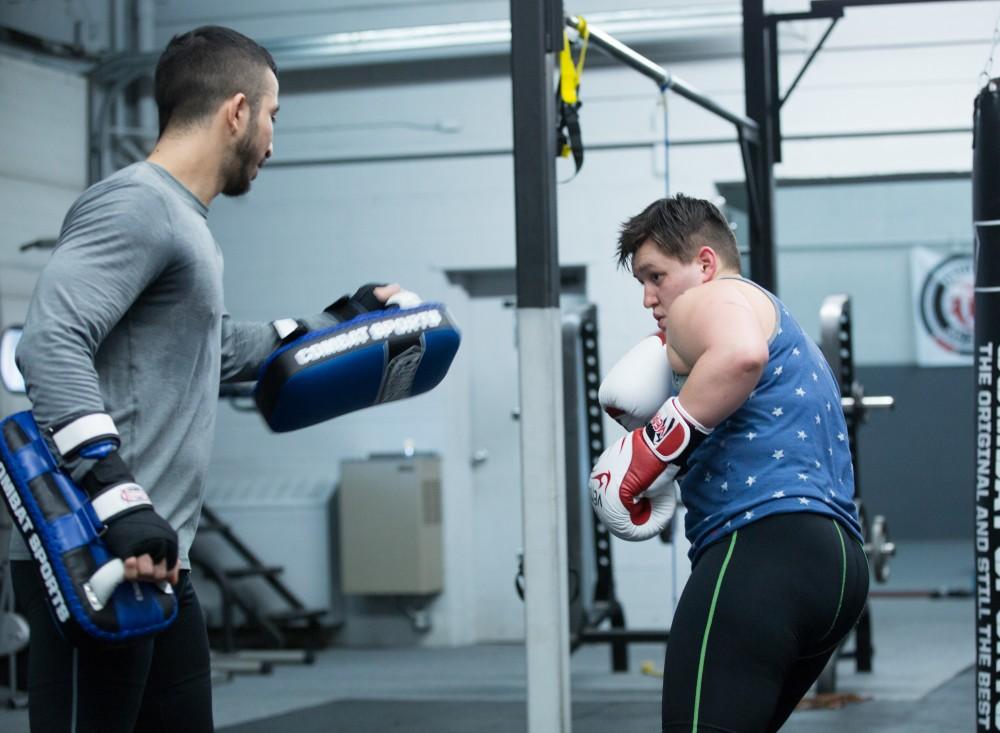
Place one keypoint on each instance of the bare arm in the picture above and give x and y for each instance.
(715, 333)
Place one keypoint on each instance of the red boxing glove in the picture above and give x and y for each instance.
(631, 486)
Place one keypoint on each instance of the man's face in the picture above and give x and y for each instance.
(254, 147)
(663, 278)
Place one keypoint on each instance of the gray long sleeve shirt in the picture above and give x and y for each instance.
(128, 318)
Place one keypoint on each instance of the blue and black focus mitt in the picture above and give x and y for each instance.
(77, 531)
(372, 354)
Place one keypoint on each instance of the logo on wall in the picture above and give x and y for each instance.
(946, 307)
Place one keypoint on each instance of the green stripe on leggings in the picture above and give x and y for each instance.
(708, 628)
(843, 578)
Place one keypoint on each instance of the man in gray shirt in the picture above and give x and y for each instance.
(123, 350)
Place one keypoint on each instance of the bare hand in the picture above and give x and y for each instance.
(143, 568)
(384, 292)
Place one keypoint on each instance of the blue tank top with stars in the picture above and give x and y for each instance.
(784, 450)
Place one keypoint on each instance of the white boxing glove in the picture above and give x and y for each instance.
(632, 484)
(638, 384)
(646, 516)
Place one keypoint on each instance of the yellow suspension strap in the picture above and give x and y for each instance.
(569, 139)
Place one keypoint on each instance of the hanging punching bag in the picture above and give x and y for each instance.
(986, 216)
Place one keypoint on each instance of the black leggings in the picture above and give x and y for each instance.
(763, 611)
(157, 684)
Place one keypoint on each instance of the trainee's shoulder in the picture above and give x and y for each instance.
(705, 294)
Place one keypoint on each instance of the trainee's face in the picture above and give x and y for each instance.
(663, 278)
(253, 149)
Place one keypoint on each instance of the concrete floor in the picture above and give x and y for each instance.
(920, 683)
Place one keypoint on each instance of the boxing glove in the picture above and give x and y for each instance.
(638, 384)
(632, 483)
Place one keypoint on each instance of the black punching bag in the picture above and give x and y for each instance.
(986, 216)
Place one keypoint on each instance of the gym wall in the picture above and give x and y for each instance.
(42, 171)
(402, 171)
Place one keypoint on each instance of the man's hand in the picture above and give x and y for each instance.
(371, 297)
(134, 532)
(383, 292)
(394, 294)
(146, 542)
(143, 568)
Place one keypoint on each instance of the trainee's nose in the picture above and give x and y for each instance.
(649, 298)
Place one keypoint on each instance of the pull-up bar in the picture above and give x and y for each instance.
(663, 78)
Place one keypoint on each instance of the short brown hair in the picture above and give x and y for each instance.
(200, 69)
(679, 226)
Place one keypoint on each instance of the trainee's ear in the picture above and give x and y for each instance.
(708, 259)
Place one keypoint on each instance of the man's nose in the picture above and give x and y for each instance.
(649, 298)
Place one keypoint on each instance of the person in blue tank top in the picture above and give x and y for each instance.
(754, 433)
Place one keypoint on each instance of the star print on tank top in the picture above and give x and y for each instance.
(784, 450)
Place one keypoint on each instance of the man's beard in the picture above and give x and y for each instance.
(241, 166)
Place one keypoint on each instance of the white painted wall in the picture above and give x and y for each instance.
(317, 230)
(42, 169)
(442, 198)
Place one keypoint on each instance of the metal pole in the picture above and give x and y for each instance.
(757, 38)
(663, 78)
(536, 31)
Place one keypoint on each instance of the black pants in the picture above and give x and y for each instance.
(157, 684)
(763, 611)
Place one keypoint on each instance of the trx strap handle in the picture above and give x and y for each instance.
(569, 139)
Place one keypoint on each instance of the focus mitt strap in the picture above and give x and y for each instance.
(363, 301)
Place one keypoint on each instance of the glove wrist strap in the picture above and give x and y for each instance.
(673, 435)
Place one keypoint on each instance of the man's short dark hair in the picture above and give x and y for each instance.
(679, 226)
(200, 69)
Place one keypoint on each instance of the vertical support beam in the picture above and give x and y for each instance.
(536, 31)
(757, 76)
(774, 89)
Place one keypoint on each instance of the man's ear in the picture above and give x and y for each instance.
(237, 112)
(708, 260)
